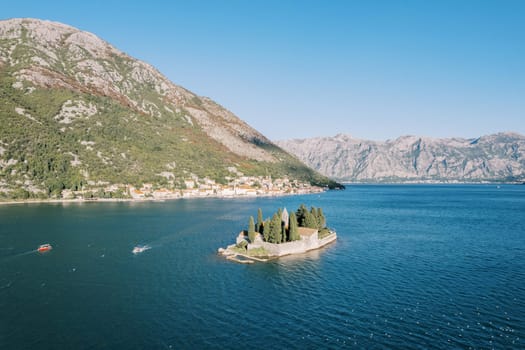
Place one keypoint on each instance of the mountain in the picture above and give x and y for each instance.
(76, 112)
(498, 157)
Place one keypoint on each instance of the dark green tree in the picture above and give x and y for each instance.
(251, 230)
(321, 218)
(301, 215)
(313, 211)
(275, 229)
(260, 223)
(266, 230)
(284, 215)
(292, 227)
(309, 220)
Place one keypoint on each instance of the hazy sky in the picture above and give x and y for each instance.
(293, 69)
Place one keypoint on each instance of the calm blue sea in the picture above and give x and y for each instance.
(414, 267)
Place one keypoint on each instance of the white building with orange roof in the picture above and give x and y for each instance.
(136, 193)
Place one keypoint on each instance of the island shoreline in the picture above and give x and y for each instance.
(232, 255)
(281, 235)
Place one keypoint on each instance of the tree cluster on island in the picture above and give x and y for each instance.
(281, 227)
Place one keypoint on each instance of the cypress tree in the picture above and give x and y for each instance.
(293, 234)
(260, 223)
(266, 230)
(321, 218)
(275, 229)
(301, 215)
(271, 230)
(309, 220)
(313, 211)
(251, 230)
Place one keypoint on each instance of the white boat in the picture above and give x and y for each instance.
(140, 248)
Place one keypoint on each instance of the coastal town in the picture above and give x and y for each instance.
(195, 187)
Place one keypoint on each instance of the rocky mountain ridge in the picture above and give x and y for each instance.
(75, 111)
(492, 158)
(65, 57)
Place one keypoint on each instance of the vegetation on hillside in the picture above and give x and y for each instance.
(70, 134)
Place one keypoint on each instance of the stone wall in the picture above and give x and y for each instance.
(330, 238)
(296, 247)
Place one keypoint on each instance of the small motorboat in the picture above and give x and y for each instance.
(44, 248)
(139, 249)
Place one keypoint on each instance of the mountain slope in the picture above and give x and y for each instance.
(498, 157)
(75, 111)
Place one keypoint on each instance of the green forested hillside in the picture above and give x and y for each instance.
(80, 114)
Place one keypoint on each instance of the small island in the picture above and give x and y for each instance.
(283, 234)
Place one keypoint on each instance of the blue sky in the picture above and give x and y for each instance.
(294, 69)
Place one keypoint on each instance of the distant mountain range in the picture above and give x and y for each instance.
(494, 158)
(76, 112)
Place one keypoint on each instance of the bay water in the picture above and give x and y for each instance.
(414, 267)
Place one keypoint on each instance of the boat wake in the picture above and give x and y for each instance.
(26, 253)
(11, 257)
(168, 239)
